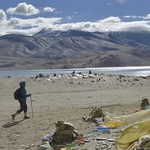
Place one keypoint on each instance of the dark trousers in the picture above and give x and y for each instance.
(23, 107)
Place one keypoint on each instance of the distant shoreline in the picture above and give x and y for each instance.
(126, 71)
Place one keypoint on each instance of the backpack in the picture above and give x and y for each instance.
(63, 135)
(17, 94)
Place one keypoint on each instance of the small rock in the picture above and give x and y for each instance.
(86, 140)
(74, 148)
(109, 147)
(104, 143)
(111, 140)
(100, 138)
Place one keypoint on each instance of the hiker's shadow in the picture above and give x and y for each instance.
(10, 124)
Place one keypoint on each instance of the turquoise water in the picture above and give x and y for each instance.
(128, 71)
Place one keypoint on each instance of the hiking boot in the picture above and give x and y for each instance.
(26, 117)
(13, 117)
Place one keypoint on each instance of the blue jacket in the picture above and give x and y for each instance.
(23, 92)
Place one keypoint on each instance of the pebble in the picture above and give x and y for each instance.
(17, 135)
(111, 140)
(74, 148)
(109, 147)
(86, 140)
(2, 146)
(100, 138)
(104, 143)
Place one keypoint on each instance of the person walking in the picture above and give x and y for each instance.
(22, 101)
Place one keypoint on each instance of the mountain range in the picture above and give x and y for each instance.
(49, 49)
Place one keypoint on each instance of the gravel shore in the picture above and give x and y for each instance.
(67, 98)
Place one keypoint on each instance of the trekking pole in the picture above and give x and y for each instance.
(31, 105)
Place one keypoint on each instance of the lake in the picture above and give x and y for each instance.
(127, 71)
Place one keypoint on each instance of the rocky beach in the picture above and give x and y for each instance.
(68, 98)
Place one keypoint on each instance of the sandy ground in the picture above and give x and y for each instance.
(65, 99)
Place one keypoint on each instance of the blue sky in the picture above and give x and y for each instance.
(30, 16)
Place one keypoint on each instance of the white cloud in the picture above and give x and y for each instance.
(23, 9)
(134, 26)
(111, 20)
(3, 22)
(109, 4)
(33, 25)
(75, 12)
(121, 1)
(133, 17)
(110, 24)
(127, 16)
(27, 26)
(147, 17)
(49, 9)
(69, 17)
(2, 15)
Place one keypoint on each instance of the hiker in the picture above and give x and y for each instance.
(22, 101)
